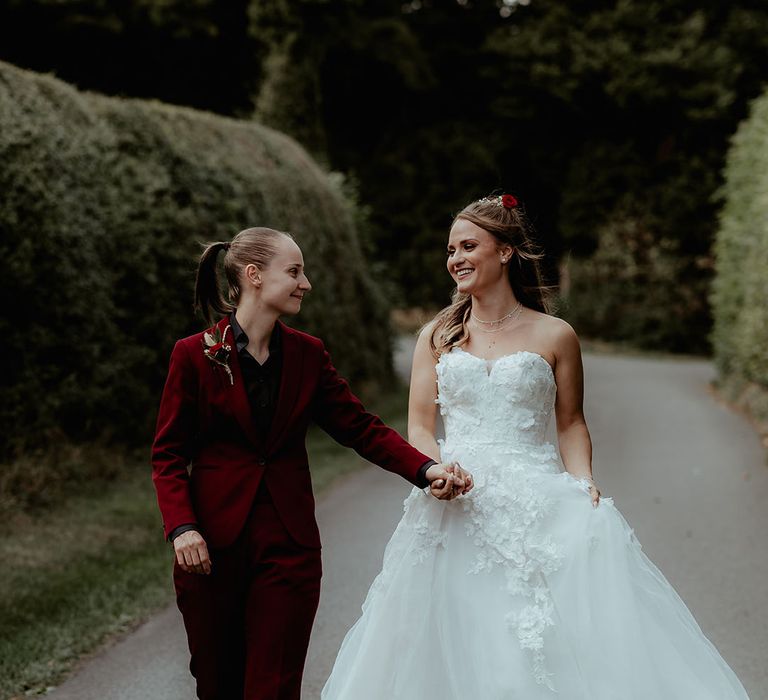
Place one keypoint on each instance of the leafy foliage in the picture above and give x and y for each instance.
(103, 204)
(740, 289)
(193, 52)
(577, 107)
(630, 290)
(594, 112)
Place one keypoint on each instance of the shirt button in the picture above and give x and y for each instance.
(262, 461)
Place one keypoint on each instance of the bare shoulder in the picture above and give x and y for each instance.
(427, 329)
(425, 335)
(558, 336)
(562, 333)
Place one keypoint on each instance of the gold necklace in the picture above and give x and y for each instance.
(500, 322)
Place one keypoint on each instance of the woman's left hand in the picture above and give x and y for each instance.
(594, 492)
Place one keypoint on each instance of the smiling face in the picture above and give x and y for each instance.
(475, 258)
(283, 283)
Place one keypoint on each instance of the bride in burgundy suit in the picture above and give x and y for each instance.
(231, 473)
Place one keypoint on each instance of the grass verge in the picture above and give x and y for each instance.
(96, 566)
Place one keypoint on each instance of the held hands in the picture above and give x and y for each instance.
(446, 481)
(192, 553)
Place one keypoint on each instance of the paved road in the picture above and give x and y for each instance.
(687, 473)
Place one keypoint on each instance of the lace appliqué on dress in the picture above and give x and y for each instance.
(503, 525)
(429, 535)
(503, 514)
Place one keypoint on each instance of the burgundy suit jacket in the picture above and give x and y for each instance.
(208, 459)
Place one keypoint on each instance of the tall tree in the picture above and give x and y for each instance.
(193, 52)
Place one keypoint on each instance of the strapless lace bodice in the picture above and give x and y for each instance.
(495, 404)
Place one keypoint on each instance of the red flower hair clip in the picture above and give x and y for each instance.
(508, 201)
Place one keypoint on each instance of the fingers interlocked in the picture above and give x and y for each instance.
(453, 482)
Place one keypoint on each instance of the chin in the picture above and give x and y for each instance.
(293, 307)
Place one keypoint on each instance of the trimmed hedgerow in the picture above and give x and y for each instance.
(103, 204)
(740, 289)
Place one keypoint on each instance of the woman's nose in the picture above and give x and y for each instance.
(304, 284)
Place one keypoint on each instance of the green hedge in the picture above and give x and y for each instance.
(103, 204)
(638, 289)
(740, 290)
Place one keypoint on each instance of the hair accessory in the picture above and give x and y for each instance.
(226, 245)
(508, 201)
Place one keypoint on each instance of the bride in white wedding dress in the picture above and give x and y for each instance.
(532, 585)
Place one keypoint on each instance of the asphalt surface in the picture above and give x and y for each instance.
(688, 474)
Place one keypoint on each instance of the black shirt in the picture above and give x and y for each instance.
(262, 381)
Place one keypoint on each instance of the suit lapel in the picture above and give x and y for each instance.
(238, 398)
(290, 383)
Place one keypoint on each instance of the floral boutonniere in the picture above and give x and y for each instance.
(216, 350)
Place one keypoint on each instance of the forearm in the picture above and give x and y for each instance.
(424, 441)
(341, 414)
(576, 449)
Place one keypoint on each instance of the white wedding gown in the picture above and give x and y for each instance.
(521, 589)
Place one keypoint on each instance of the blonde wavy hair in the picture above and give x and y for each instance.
(509, 226)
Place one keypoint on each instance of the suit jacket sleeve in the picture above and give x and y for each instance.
(342, 415)
(174, 438)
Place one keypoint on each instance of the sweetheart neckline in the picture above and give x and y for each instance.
(495, 360)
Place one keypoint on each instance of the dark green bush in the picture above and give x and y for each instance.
(103, 204)
(740, 289)
(637, 288)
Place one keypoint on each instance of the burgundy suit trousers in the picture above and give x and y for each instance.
(248, 622)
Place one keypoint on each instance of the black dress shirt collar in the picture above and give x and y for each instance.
(241, 338)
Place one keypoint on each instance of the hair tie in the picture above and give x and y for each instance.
(226, 245)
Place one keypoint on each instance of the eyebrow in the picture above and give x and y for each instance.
(293, 265)
(465, 240)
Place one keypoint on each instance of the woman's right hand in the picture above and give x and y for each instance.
(192, 553)
(448, 481)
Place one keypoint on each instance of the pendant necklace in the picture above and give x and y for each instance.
(499, 324)
(499, 321)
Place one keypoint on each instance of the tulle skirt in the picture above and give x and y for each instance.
(523, 590)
